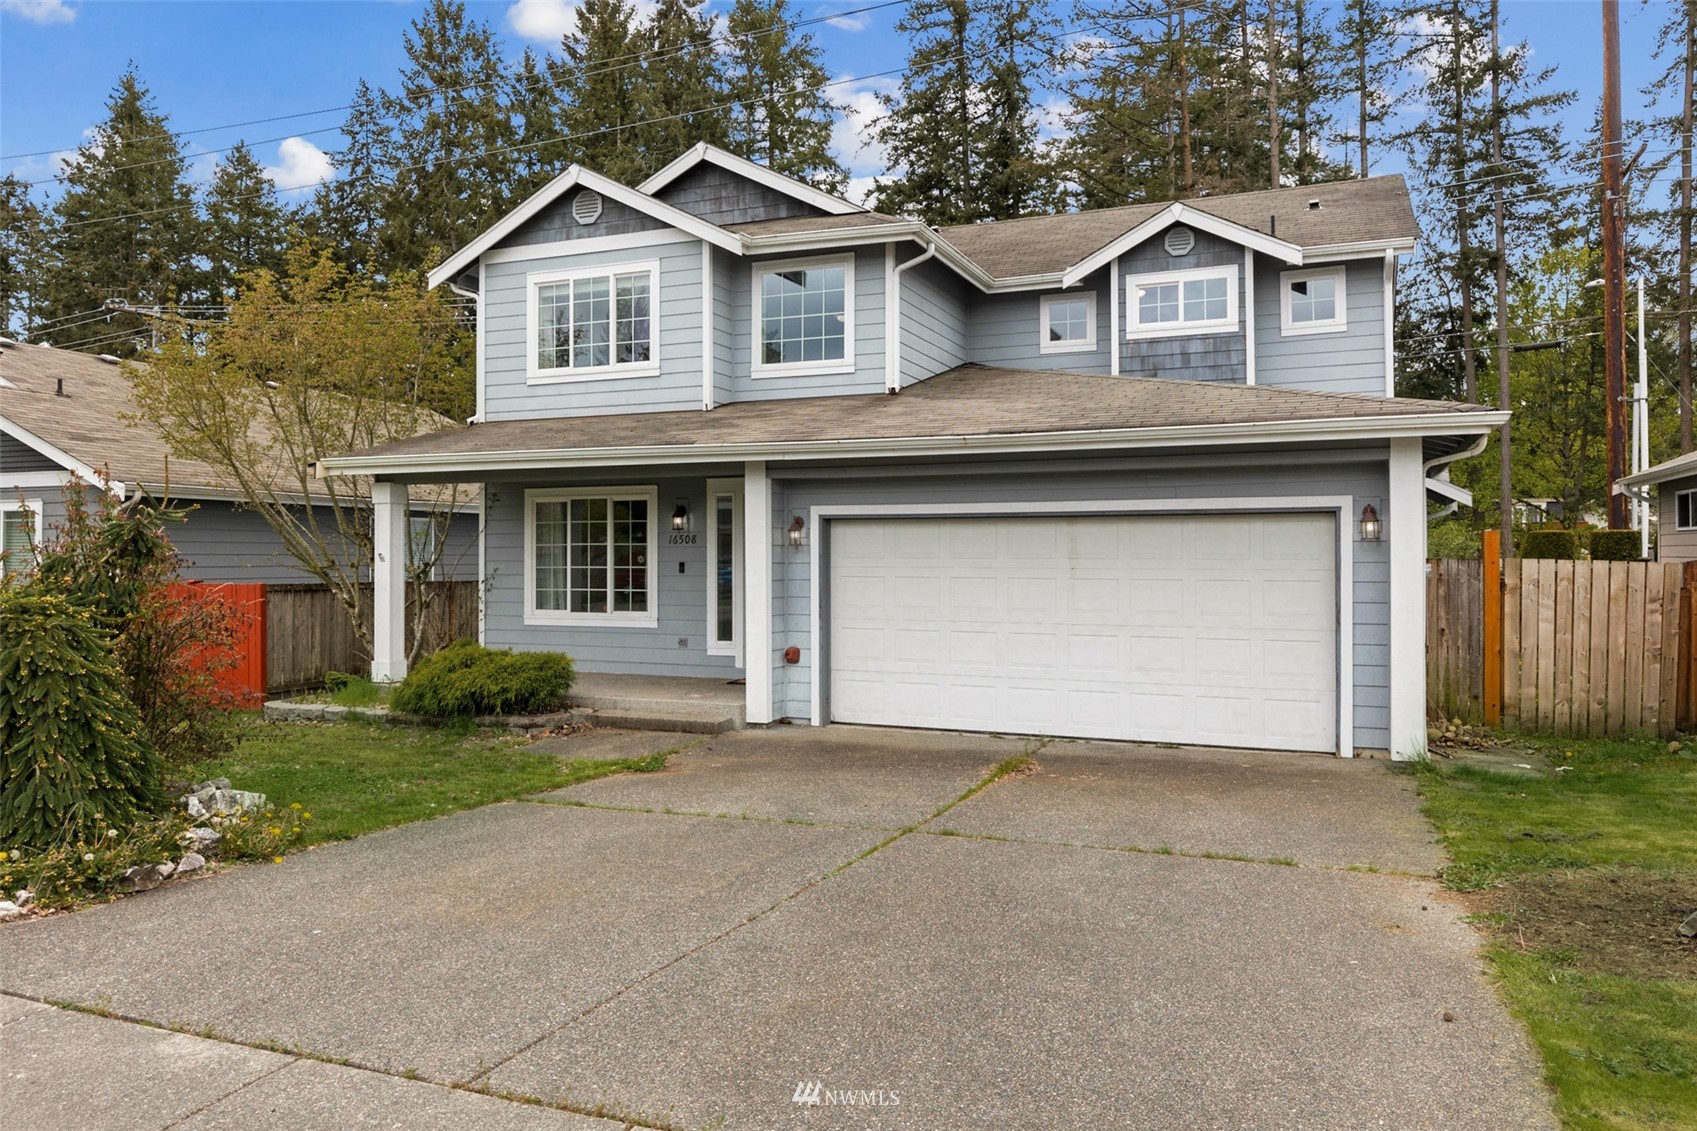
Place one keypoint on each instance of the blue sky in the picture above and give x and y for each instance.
(215, 62)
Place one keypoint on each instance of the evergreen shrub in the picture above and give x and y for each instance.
(1615, 546)
(73, 755)
(1549, 542)
(466, 679)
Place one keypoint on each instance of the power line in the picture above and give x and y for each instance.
(632, 59)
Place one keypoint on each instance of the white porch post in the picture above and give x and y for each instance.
(389, 582)
(1405, 527)
(757, 590)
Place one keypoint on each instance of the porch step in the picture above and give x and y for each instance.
(682, 719)
(692, 706)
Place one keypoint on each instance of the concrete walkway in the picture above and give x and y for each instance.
(784, 914)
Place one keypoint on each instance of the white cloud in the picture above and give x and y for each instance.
(851, 136)
(859, 22)
(40, 11)
(300, 165)
(542, 20)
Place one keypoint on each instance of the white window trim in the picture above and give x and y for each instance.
(732, 647)
(1135, 330)
(1335, 325)
(845, 364)
(533, 615)
(1086, 344)
(535, 375)
(1691, 509)
(7, 506)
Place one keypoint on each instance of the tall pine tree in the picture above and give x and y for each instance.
(347, 211)
(245, 225)
(451, 172)
(602, 89)
(125, 228)
(23, 237)
(782, 116)
(683, 84)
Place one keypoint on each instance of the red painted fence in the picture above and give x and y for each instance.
(246, 602)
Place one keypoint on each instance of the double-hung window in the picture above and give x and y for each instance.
(804, 317)
(1200, 301)
(1685, 510)
(593, 323)
(589, 556)
(1312, 301)
(20, 535)
(1068, 323)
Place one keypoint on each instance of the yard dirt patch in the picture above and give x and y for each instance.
(1611, 920)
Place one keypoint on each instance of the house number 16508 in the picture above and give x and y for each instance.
(681, 539)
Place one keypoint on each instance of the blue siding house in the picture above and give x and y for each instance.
(1136, 473)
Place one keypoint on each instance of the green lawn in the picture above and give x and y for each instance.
(1580, 876)
(359, 777)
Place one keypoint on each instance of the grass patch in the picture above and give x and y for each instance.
(357, 778)
(1580, 876)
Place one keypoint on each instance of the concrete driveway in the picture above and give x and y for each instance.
(1123, 937)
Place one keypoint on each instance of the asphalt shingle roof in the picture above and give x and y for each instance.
(971, 400)
(1376, 208)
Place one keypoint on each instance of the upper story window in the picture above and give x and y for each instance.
(593, 323)
(20, 535)
(806, 317)
(1312, 301)
(1199, 301)
(589, 556)
(1068, 323)
(1685, 510)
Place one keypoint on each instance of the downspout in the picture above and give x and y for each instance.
(1429, 477)
(893, 319)
(476, 297)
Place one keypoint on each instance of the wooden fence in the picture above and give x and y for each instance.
(309, 632)
(1582, 648)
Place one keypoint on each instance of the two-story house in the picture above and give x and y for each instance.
(1135, 473)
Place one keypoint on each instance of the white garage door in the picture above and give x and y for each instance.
(1215, 630)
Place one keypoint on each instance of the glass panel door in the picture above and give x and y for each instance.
(724, 563)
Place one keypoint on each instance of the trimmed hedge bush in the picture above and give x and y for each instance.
(1551, 542)
(466, 679)
(1615, 546)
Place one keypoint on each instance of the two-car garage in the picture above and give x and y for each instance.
(1213, 629)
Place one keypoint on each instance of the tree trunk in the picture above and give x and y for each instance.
(1684, 361)
(1504, 448)
(1273, 88)
(1458, 176)
(1361, 78)
(1189, 185)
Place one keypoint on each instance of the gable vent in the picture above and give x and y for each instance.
(586, 207)
(1179, 241)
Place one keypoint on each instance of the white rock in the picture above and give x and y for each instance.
(191, 863)
(9, 910)
(166, 869)
(24, 897)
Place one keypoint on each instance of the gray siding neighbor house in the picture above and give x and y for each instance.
(1137, 473)
(1671, 490)
(67, 416)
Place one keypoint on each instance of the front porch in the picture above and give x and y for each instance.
(655, 702)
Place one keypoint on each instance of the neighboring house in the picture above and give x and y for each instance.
(1134, 473)
(1671, 490)
(66, 414)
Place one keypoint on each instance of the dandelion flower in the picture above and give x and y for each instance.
(276, 860)
(88, 858)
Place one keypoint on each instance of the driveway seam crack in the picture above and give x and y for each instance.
(212, 1103)
(1001, 770)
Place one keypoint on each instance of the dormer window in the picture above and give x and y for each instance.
(1068, 323)
(1312, 301)
(1200, 301)
(592, 323)
(805, 313)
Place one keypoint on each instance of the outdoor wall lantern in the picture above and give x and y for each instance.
(680, 518)
(796, 527)
(1371, 528)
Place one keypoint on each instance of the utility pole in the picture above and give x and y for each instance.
(1689, 110)
(1614, 266)
(1503, 399)
(1641, 425)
